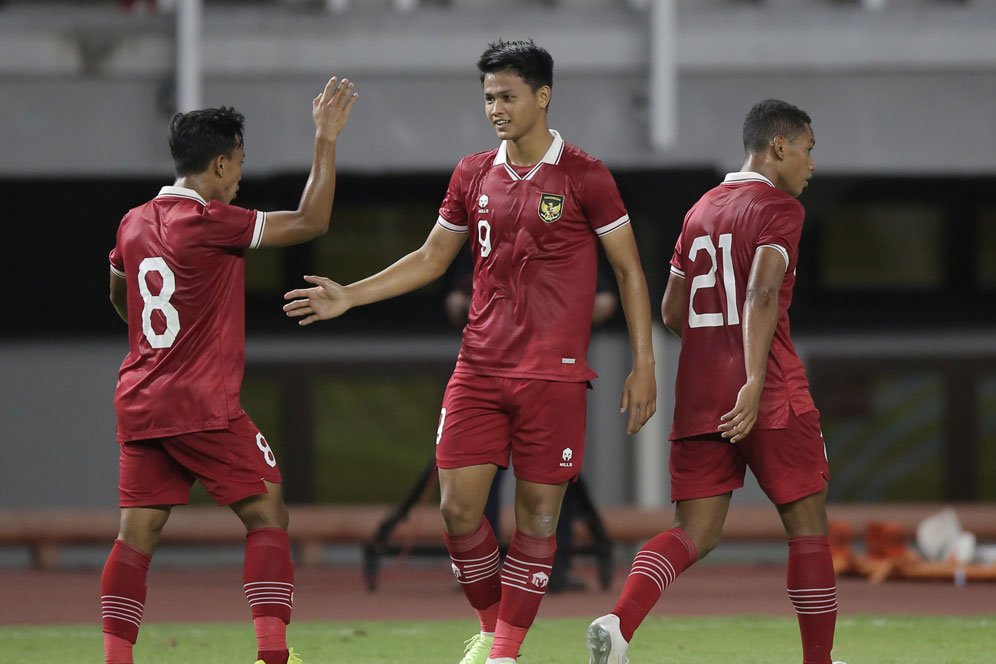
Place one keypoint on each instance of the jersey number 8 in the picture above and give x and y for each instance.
(158, 302)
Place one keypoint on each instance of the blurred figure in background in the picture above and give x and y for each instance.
(741, 395)
(535, 209)
(178, 280)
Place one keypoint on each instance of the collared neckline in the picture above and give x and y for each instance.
(181, 192)
(552, 156)
(746, 176)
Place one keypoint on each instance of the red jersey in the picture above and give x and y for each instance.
(533, 239)
(714, 254)
(183, 260)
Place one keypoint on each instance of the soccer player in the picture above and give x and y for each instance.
(534, 209)
(741, 396)
(177, 278)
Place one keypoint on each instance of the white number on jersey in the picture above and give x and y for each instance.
(158, 302)
(708, 280)
(442, 419)
(484, 237)
(264, 447)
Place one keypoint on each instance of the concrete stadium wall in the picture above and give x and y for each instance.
(89, 92)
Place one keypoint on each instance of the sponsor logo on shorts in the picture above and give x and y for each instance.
(567, 455)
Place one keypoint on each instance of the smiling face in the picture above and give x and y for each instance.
(512, 106)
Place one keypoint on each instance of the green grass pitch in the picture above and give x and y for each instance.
(860, 640)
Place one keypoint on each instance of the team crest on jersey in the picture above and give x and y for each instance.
(551, 206)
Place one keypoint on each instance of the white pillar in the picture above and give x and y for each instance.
(650, 475)
(189, 60)
(663, 73)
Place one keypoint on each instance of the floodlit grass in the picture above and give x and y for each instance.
(860, 640)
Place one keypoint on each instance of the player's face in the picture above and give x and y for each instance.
(798, 165)
(231, 176)
(511, 105)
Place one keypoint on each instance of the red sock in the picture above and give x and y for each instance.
(655, 567)
(268, 575)
(117, 650)
(524, 576)
(122, 600)
(812, 587)
(476, 565)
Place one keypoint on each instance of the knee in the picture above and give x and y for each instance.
(538, 523)
(459, 517)
(265, 514)
(706, 538)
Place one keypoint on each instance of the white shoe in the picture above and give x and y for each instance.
(606, 644)
(501, 660)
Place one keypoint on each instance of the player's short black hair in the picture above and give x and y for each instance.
(197, 137)
(770, 118)
(532, 63)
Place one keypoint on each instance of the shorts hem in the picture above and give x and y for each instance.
(800, 493)
(706, 492)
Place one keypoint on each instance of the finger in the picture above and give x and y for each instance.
(350, 101)
(624, 402)
(307, 321)
(634, 420)
(329, 89)
(297, 293)
(318, 281)
(343, 93)
(296, 304)
(301, 311)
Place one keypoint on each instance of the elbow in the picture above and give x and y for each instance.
(672, 322)
(761, 296)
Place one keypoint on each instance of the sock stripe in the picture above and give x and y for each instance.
(524, 565)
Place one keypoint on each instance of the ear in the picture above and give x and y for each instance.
(778, 145)
(219, 164)
(544, 94)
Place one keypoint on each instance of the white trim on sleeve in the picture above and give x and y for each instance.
(116, 272)
(257, 231)
(678, 273)
(780, 249)
(615, 225)
(453, 228)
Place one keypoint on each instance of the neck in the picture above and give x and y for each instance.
(196, 182)
(530, 148)
(761, 164)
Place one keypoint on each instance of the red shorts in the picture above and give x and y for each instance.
(789, 463)
(231, 464)
(539, 424)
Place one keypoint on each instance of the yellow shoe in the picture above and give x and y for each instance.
(292, 658)
(477, 648)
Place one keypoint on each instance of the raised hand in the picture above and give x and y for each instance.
(331, 108)
(326, 300)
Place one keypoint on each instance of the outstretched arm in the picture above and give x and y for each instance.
(424, 265)
(639, 395)
(311, 219)
(759, 322)
(119, 296)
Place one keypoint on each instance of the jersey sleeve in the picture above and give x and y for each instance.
(781, 228)
(117, 265)
(453, 211)
(601, 203)
(678, 257)
(234, 227)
